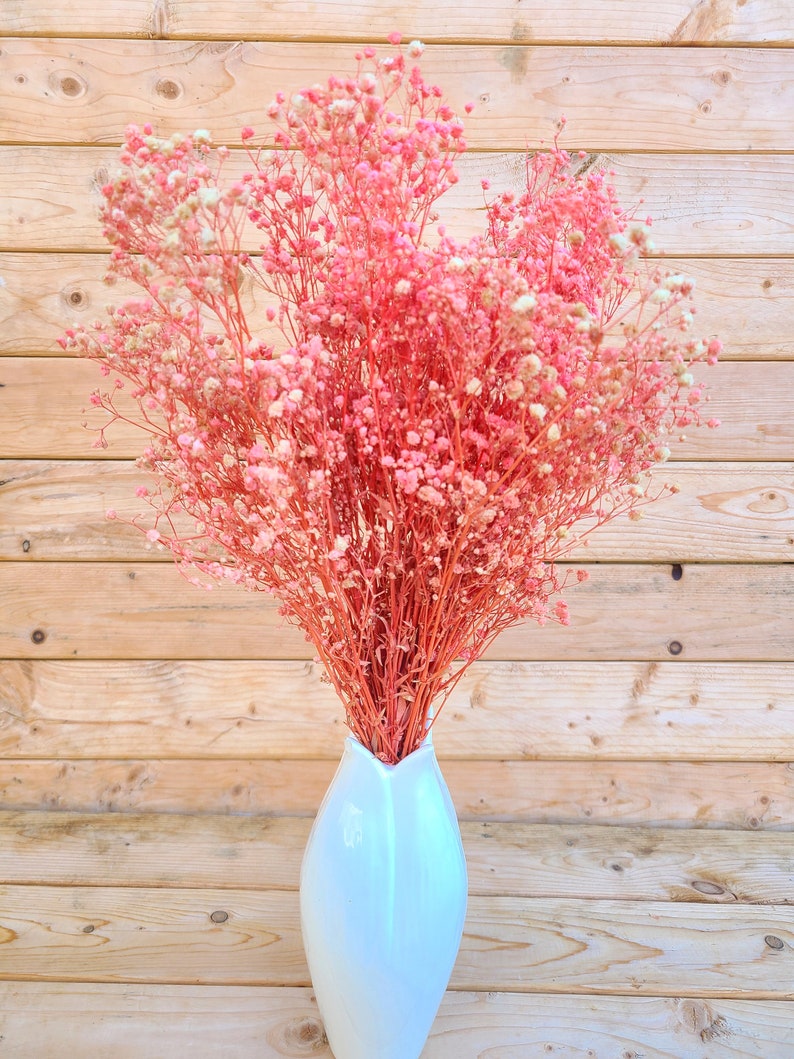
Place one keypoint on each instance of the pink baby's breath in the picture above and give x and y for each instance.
(442, 419)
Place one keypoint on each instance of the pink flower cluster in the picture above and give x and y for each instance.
(443, 418)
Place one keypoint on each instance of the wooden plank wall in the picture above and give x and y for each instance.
(625, 786)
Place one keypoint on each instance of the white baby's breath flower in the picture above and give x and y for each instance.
(677, 281)
(525, 304)
(209, 197)
(342, 107)
(529, 366)
(474, 386)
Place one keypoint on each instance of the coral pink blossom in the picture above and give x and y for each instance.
(443, 418)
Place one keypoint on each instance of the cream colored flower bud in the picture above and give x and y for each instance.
(529, 366)
(659, 296)
(525, 304)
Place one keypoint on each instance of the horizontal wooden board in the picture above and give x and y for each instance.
(623, 612)
(614, 98)
(93, 1020)
(756, 796)
(525, 860)
(748, 303)
(45, 412)
(726, 512)
(557, 945)
(664, 22)
(702, 205)
(230, 710)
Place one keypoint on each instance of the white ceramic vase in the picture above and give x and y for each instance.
(383, 898)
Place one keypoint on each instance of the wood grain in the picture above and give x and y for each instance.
(733, 205)
(627, 811)
(664, 22)
(558, 945)
(93, 1020)
(723, 512)
(607, 711)
(45, 412)
(753, 796)
(526, 860)
(748, 303)
(709, 99)
(623, 612)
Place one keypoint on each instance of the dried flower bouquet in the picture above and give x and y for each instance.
(442, 419)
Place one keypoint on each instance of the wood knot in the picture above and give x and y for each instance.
(301, 1038)
(38, 636)
(67, 84)
(695, 1016)
(774, 942)
(75, 297)
(168, 89)
(703, 886)
(675, 647)
(219, 916)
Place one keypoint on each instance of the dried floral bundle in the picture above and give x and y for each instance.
(442, 419)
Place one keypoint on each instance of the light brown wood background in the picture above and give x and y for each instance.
(625, 785)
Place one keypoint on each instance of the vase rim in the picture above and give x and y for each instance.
(355, 746)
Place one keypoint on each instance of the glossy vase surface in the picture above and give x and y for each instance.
(383, 898)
